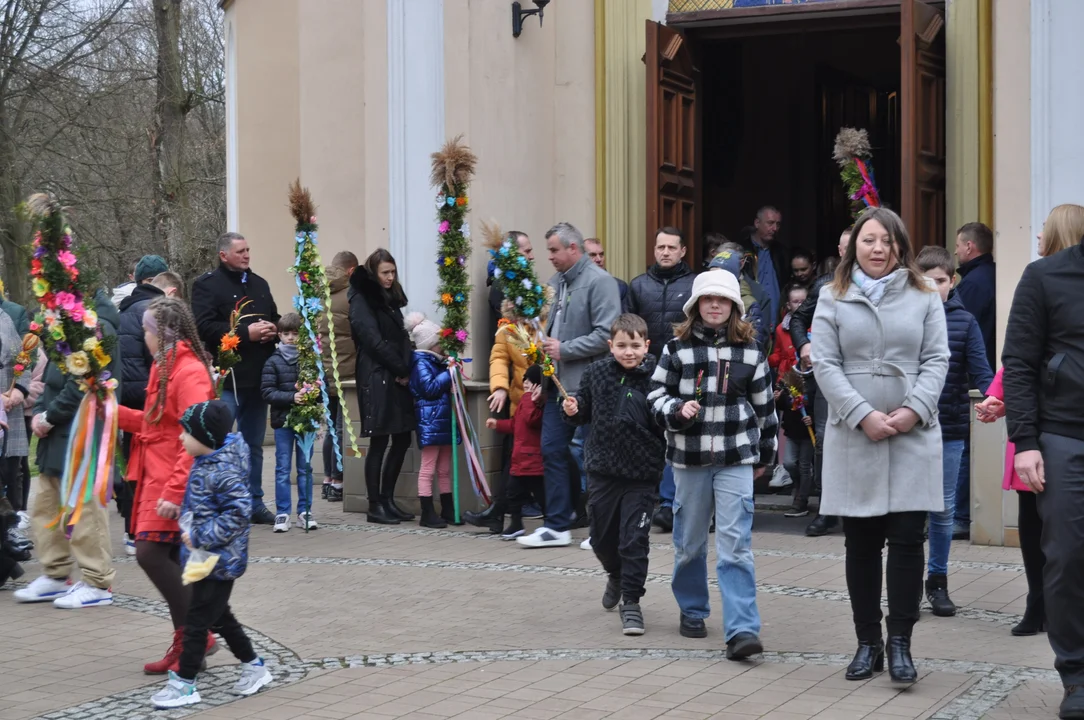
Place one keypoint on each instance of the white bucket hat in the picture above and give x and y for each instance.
(719, 284)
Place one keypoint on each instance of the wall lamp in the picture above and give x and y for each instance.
(518, 13)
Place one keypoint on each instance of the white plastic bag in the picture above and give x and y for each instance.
(200, 562)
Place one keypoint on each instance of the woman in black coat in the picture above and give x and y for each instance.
(383, 378)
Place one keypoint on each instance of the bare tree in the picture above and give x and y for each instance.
(168, 133)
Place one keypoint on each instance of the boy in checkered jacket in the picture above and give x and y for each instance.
(712, 392)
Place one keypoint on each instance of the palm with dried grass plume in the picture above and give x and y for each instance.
(854, 156)
(452, 172)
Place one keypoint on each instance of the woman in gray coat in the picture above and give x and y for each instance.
(880, 355)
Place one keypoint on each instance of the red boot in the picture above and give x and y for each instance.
(172, 658)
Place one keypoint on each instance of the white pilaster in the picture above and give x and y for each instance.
(1040, 117)
(232, 181)
(415, 130)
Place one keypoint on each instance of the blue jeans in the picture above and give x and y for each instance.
(666, 487)
(963, 487)
(557, 464)
(579, 440)
(250, 412)
(286, 444)
(941, 523)
(728, 493)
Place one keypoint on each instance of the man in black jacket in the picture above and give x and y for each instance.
(659, 294)
(800, 322)
(597, 253)
(1043, 360)
(214, 297)
(136, 368)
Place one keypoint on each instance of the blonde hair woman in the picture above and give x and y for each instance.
(1064, 227)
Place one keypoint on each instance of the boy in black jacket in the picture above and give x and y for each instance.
(280, 391)
(624, 460)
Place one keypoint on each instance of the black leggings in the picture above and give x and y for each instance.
(1031, 534)
(380, 476)
(865, 538)
(11, 475)
(162, 563)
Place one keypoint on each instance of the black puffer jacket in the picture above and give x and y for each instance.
(279, 383)
(625, 441)
(967, 369)
(384, 354)
(658, 296)
(214, 296)
(802, 318)
(136, 368)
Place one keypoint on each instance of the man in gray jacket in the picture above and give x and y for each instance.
(588, 302)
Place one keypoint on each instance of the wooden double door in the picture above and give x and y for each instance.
(674, 127)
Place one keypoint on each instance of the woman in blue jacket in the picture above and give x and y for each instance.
(431, 384)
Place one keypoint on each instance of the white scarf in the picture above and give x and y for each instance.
(872, 289)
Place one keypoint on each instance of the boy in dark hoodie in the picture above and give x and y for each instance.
(625, 454)
(279, 388)
(968, 368)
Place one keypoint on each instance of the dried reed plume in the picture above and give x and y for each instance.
(301, 205)
(492, 236)
(850, 144)
(453, 164)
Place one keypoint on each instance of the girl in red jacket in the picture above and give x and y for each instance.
(783, 355)
(180, 377)
(526, 476)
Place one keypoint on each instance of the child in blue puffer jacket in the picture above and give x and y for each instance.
(431, 384)
(220, 505)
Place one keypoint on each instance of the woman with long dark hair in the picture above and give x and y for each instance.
(880, 354)
(383, 378)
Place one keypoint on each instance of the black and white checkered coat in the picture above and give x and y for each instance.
(736, 424)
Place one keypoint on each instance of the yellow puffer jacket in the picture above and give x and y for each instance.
(506, 362)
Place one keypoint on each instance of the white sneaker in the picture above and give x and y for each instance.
(586, 544)
(282, 523)
(43, 589)
(305, 521)
(176, 693)
(82, 595)
(253, 677)
(24, 520)
(129, 544)
(780, 478)
(544, 537)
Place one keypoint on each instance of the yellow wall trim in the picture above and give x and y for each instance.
(600, 120)
(986, 112)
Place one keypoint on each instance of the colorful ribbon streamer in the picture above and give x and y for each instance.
(338, 385)
(475, 467)
(88, 459)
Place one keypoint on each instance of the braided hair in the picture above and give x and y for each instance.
(173, 324)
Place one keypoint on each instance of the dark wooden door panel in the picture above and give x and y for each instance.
(673, 128)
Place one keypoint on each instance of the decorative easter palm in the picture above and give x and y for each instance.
(75, 344)
(794, 385)
(452, 171)
(855, 159)
(307, 413)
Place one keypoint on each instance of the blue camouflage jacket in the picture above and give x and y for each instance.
(221, 504)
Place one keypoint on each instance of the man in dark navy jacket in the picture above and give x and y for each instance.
(978, 285)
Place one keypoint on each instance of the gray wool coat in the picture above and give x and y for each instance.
(868, 358)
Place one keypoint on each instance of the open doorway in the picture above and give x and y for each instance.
(744, 115)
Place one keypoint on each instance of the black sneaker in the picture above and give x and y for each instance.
(798, 511)
(693, 627)
(612, 596)
(532, 512)
(937, 594)
(262, 516)
(1072, 705)
(664, 519)
(325, 491)
(743, 645)
(514, 529)
(632, 620)
(335, 494)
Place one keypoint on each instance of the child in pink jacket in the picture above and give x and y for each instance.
(1030, 524)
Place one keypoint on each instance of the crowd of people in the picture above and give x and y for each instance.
(679, 391)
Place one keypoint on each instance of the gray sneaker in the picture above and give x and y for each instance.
(253, 677)
(176, 693)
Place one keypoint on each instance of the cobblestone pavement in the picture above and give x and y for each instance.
(362, 621)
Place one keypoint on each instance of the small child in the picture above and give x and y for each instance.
(968, 368)
(431, 383)
(220, 505)
(713, 390)
(784, 356)
(279, 385)
(799, 451)
(624, 456)
(525, 477)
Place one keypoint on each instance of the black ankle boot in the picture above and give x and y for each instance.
(1034, 620)
(379, 513)
(9, 569)
(429, 517)
(395, 510)
(447, 509)
(937, 594)
(869, 659)
(900, 666)
(514, 529)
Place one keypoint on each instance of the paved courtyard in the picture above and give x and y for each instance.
(365, 621)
